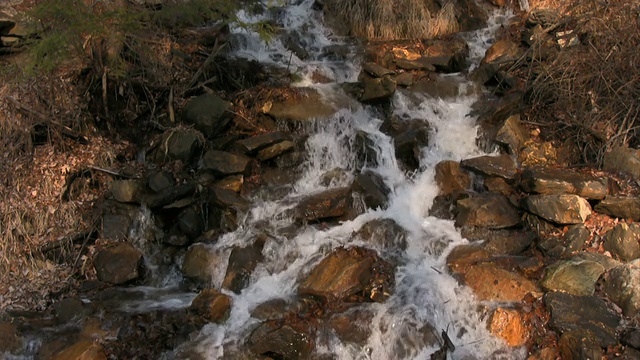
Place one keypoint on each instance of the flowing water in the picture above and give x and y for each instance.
(425, 293)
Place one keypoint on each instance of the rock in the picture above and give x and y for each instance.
(576, 238)
(212, 305)
(127, 191)
(623, 242)
(376, 70)
(279, 340)
(242, 262)
(290, 159)
(352, 326)
(409, 141)
(418, 64)
(491, 283)
(232, 182)
(631, 338)
(575, 276)
(177, 144)
(538, 154)
(498, 185)
(503, 52)
(446, 56)
(377, 89)
(622, 286)
(462, 257)
(306, 105)
(118, 264)
(624, 207)
(191, 222)
(293, 41)
(563, 181)
(404, 79)
(228, 199)
(160, 180)
(412, 338)
(270, 310)
(10, 341)
(579, 344)
(439, 87)
(365, 149)
(571, 312)
(511, 134)
(470, 15)
(601, 259)
(451, 178)
(384, 233)
(490, 210)
(498, 3)
(623, 160)
(372, 188)
(348, 275)
(209, 113)
(275, 150)
(224, 163)
(328, 204)
(543, 17)
(333, 177)
(500, 242)
(502, 166)
(256, 143)
(82, 350)
(508, 325)
(199, 263)
(560, 209)
(69, 309)
(115, 226)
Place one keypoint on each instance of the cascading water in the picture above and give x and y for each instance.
(424, 292)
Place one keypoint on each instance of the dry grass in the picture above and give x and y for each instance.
(589, 92)
(393, 19)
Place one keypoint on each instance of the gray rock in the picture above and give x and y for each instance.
(160, 180)
(623, 242)
(118, 264)
(560, 209)
(256, 143)
(69, 309)
(622, 286)
(372, 188)
(169, 196)
(127, 191)
(511, 134)
(563, 181)
(571, 312)
(209, 113)
(177, 144)
(290, 159)
(574, 276)
(624, 207)
(601, 259)
(490, 210)
(191, 222)
(624, 160)
(502, 166)
(224, 163)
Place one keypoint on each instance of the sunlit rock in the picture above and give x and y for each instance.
(508, 325)
(560, 209)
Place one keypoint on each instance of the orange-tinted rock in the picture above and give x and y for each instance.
(507, 324)
(212, 305)
(82, 350)
(491, 283)
(450, 177)
(464, 256)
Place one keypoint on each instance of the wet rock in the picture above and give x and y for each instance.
(376, 70)
(377, 89)
(576, 238)
(354, 274)
(115, 226)
(306, 105)
(451, 178)
(160, 180)
(118, 264)
(127, 191)
(10, 341)
(462, 257)
(623, 242)
(69, 309)
(279, 340)
(408, 143)
(212, 305)
(499, 186)
(411, 338)
(290, 159)
(563, 181)
(224, 163)
(405, 79)
(446, 55)
(232, 182)
(328, 204)
(560, 209)
(256, 143)
(275, 150)
(575, 276)
(491, 283)
(571, 312)
(334, 176)
(385, 233)
(199, 262)
(502, 166)
(177, 144)
(470, 15)
(270, 310)
(82, 350)
(372, 188)
(490, 210)
(500, 242)
(439, 87)
(508, 325)
(579, 344)
(242, 262)
(443, 206)
(511, 134)
(623, 160)
(223, 220)
(622, 286)
(365, 149)
(352, 326)
(208, 113)
(418, 64)
(169, 196)
(191, 222)
(228, 199)
(624, 207)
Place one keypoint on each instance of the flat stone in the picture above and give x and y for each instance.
(560, 209)
(623, 160)
(331, 203)
(212, 305)
(563, 181)
(463, 257)
(255, 143)
(225, 198)
(231, 182)
(451, 178)
(502, 166)
(224, 163)
(500, 242)
(376, 70)
(623, 242)
(118, 264)
(575, 276)
(624, 207)
(308, 105)
(209, 113)
(571, 312)
(622, 286)
(490, 210)
(508, 325)
(491, 283)
(169, 195)
(576, 237)
(275, 150)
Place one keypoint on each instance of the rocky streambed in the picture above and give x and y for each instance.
(383, 206)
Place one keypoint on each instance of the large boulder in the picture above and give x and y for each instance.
(623, 160)
(490, 210)
(212, 305)
(491, 283)
(622, 286)
(623, 242)
(349, 275)
(560, 209)
(575, 276)
(209, 113)
(502, 166)
(118, 264)
(624, 207)
(563, 181)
